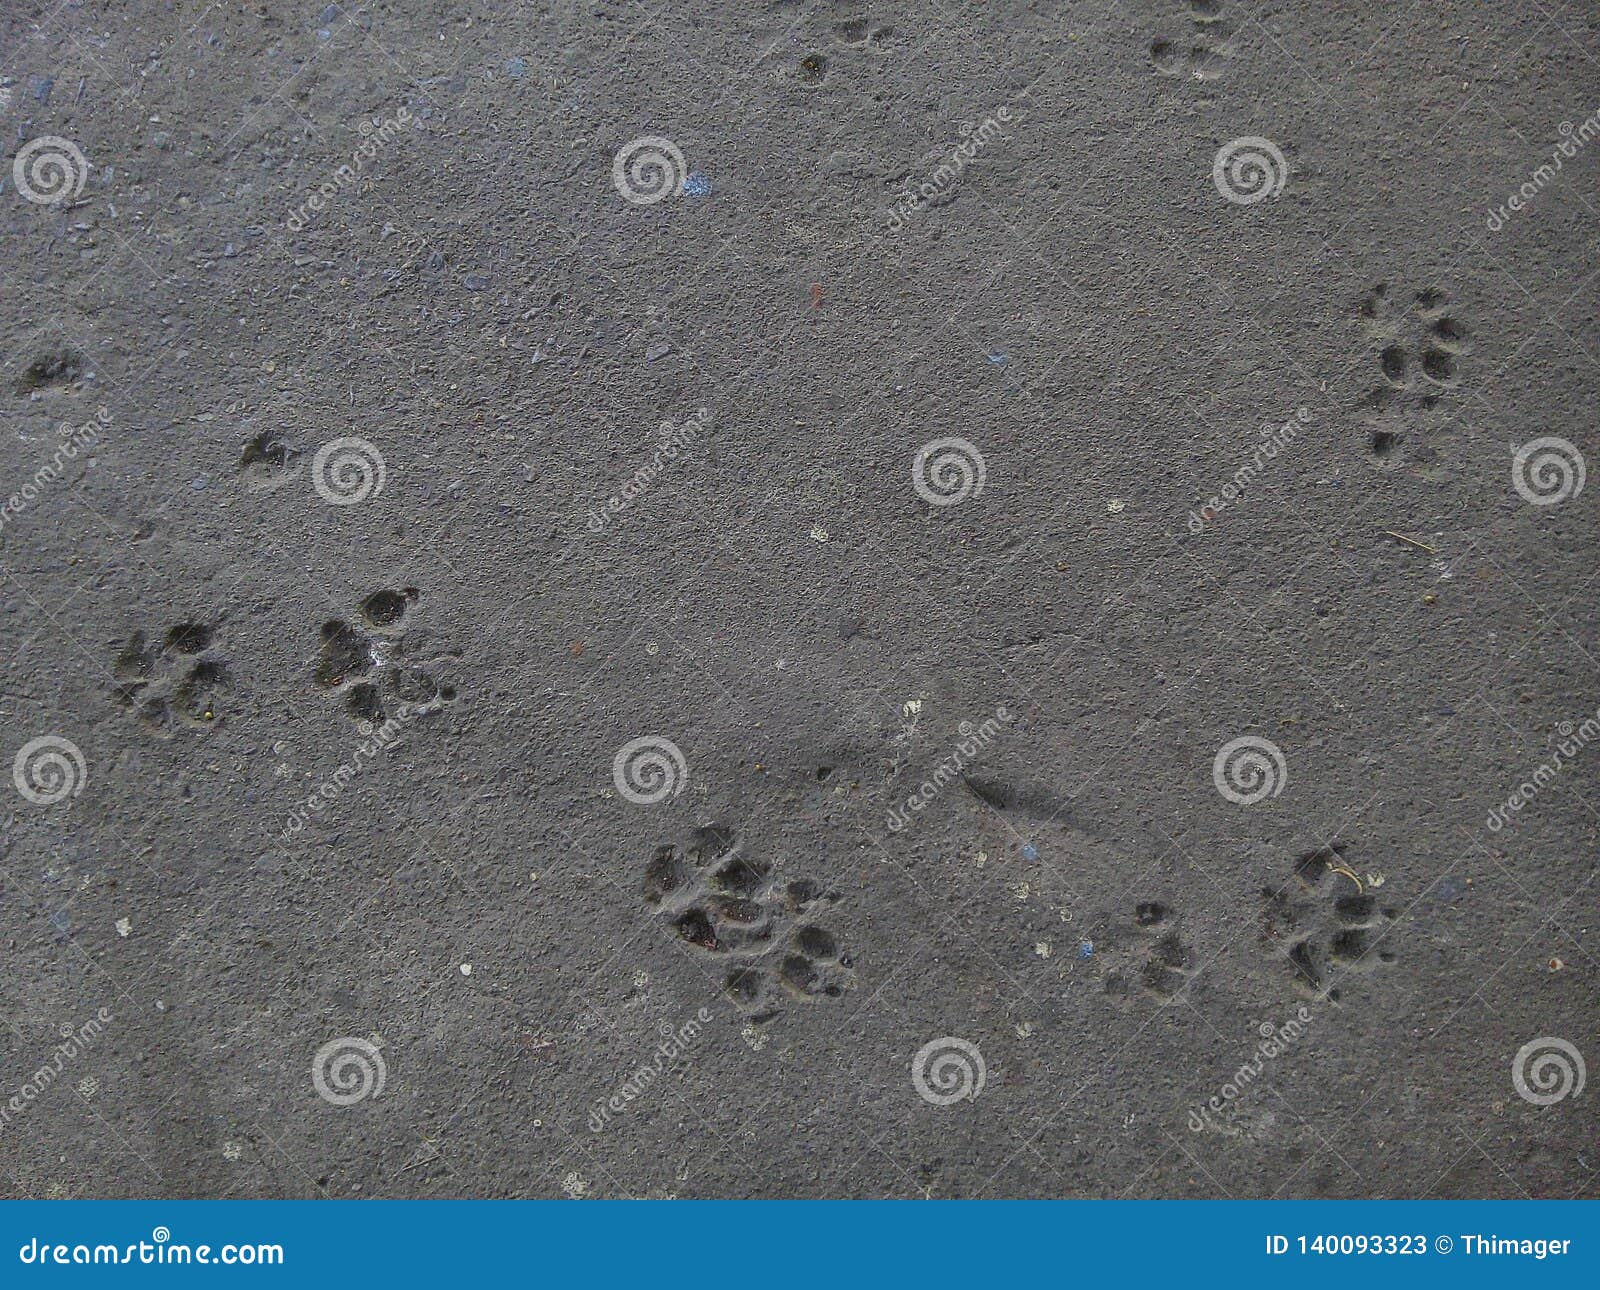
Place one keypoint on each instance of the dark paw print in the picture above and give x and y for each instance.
(1151, 956)
(1202, 55)
(1325, 924)
(366, 664)
(269, 460)
(176, 682)
(1420, 346)
(717, 897)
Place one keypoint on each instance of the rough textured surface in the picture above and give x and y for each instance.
(892, 225)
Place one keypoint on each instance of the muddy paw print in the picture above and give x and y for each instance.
(365, 662)
(717, 897)
(1325, 924)
(1419, 346)
(1205, 52)
(1149, 956)
(176, 682)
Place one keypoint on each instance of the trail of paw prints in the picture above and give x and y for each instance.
(1204, 52)
(1149, 956)
(175, 682)
(1420, 345)
(1324, 924)
(365, 664)
(713, 895)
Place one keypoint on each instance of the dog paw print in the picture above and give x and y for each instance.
(1420, 345)
(1205, 52)
(714, 895)
(1325, 924)
(176, 681)
(1151, 956)
(365, 662)
(268, 461)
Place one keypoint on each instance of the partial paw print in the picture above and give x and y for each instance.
(1205, 53)
(1151, 956)
(365, 662)
(177, 681)
(1420, 345)
(850, 26)
(269, 460)
(1325, 924)
(717, 897)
